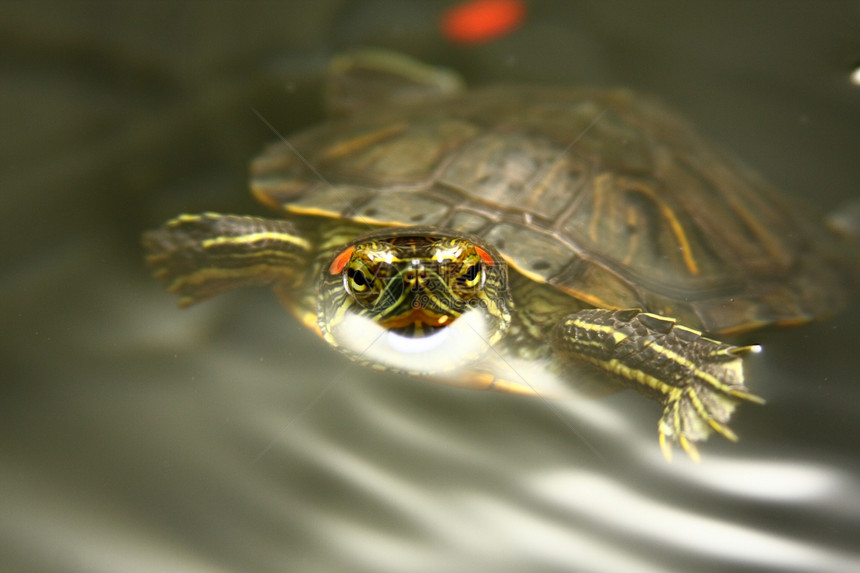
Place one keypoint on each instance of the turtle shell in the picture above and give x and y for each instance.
(605, 195)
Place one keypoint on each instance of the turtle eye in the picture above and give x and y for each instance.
(358, 281)
(472, 273)
(470, 279)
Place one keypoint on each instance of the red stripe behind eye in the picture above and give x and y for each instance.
(485, 256)
(340, 261)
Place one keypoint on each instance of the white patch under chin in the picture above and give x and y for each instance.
(446, 350)
(419, 345)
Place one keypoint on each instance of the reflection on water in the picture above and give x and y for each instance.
(204, 457)
(135, 437)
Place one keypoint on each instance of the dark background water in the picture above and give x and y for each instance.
(135, 437)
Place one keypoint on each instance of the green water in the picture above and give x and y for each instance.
(135, 437)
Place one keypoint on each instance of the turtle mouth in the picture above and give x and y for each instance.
(417, 323)
(416, 330)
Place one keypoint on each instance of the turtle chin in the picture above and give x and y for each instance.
(410, 340)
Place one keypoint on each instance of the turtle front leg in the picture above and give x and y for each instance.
(699, 381)
(200, 256)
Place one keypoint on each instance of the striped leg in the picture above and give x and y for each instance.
(199, 256)
(698, 380)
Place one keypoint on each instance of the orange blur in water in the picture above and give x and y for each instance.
(478, 21)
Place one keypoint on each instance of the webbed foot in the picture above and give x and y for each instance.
(700, 381)
(200, 256)
(692, 413)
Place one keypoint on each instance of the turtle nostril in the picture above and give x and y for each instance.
(415, 279)
(415, 275)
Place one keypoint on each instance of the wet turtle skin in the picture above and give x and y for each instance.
(607, 232)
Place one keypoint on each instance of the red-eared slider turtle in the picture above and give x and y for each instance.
(515, 238)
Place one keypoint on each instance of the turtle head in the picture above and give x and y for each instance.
(416, 300)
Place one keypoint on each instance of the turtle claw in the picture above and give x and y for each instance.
(695, 412)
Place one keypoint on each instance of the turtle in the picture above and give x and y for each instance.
(524, 239)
